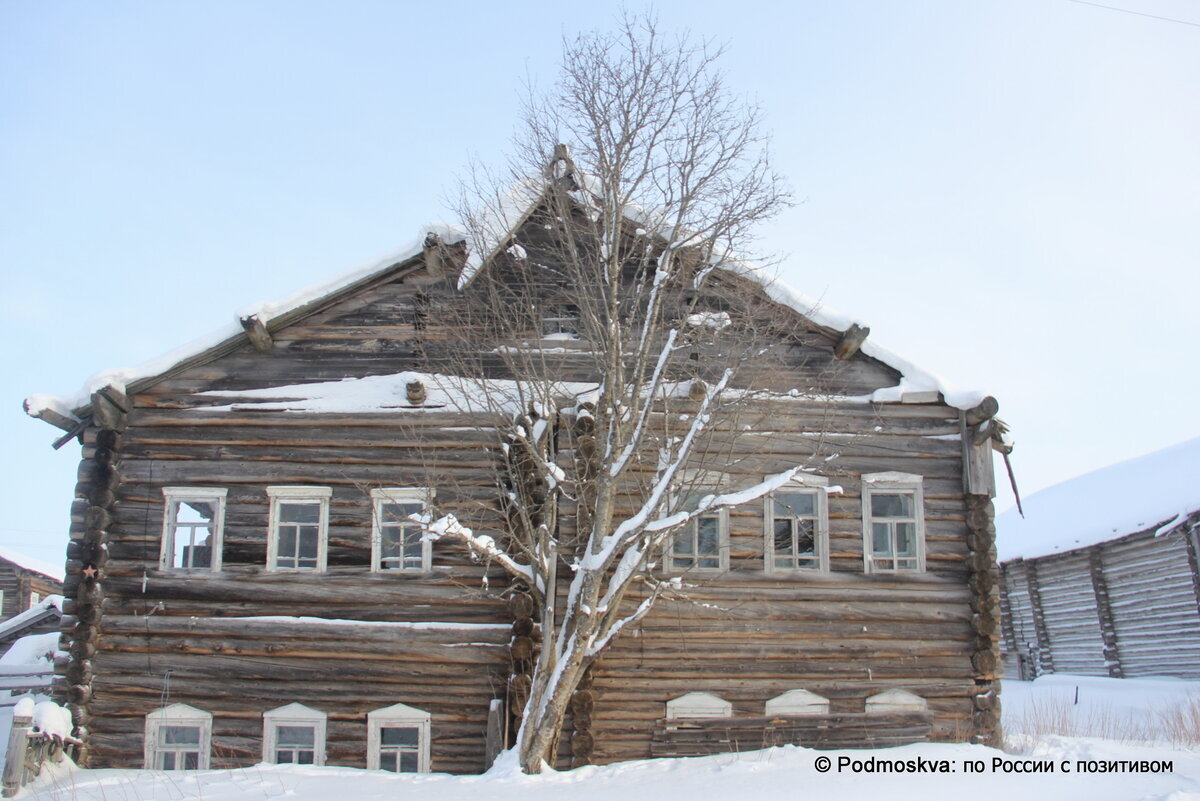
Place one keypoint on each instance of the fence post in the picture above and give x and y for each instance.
(18, 741)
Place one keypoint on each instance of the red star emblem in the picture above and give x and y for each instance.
(89, 572)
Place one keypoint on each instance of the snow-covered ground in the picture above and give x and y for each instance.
(1036, 767)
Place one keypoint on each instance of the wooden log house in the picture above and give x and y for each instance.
(24, 583)
(1102, 576)
(242, 585)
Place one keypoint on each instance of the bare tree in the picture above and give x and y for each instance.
(623, 339)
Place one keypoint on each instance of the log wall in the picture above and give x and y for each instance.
(1124, 608)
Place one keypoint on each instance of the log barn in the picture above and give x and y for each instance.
(244, 582)
(24, 583)
(1102, 577)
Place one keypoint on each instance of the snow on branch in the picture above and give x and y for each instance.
(481, 545)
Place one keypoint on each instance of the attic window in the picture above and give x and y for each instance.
(560, 322)
(192, 524)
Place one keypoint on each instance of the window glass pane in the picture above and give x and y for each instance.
(389, 542)
(180, 735)
(191, 760)
(398, 512)
(796, 504)
(287, 541)
(881, 540)
(891, 505)
(283, 757)
(295, 736)
(783, 536)
(195, 511)
(390, 735)
(906, 539)
(388, 761)
(305, 757)
(166, 761)
(681, 545)
(300, 512)
(708, 536)
(308, 544)
(413, 546)
(806, 544)
(408, 762)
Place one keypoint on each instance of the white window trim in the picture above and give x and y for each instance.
(818, 486)
(379, 497)
(895, 700)
(317, 495)
(889, 483)
(398, 715)
(175, 495)
(177, 715)
(698, 705)
(294, 715)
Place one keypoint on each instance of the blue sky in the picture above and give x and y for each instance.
(1007, 191)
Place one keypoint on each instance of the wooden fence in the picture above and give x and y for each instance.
(1123, 608)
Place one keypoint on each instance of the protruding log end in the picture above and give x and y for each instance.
(851, 341)
(257, 332)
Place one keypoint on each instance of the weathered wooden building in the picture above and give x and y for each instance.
(1103, 579)
(24, 583)
(244, 582)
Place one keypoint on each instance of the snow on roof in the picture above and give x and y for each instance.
(487, 234)
(121, 377)
(29, 563)
(48, 606)
(1131, 496)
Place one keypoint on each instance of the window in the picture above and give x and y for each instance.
(298, 537)
(795, 703)
(797, 518)
(34, 599)
(192, 528)
(397, 542)
(294, 734)
(702, 544)
(398, 739)
(560, 322)
(893, 523)
(178, 737)
(698, 705)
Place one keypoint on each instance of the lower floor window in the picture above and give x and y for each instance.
(178, 738)
(295, 745)
(698, 544)
(399, 748)
(178, 748)
(398, 739)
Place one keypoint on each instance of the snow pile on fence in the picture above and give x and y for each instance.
(1158, 489)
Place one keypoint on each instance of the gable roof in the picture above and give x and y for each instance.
(31, 565)
(1158, 491)
(510, 213)
(48, 609)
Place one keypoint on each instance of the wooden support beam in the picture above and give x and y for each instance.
(851, 341)
(1108, 630)
(986, 410)
(257, 331)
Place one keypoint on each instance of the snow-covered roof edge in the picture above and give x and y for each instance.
(49, 606)
(33, 565)
(512, 209)
(1154, 492)
(122, 377)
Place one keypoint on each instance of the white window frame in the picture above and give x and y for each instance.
(379, 497)
(802, 483)
(895, 700)
(893, 483)
(294, 715)
(398, 716)
(177, 715)
(172, 497)
(308, 495)
(692, 526)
